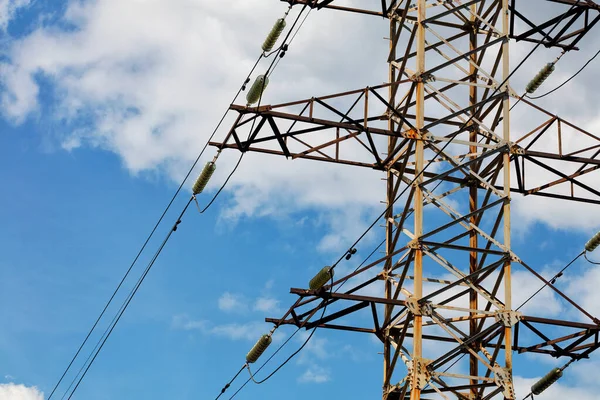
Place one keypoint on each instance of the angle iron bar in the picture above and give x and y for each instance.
(463, 345)
(440, 95)
(563, 323)
(464, 111)
(494, 356)
(552, 156)
(433, 46)
(317, 149)
(464, 248)
(557, 348)
(393, 109)
(473, 53)
(397, 350)
(375, 319)
(459, 274)
(562, 175)
(463, 376)
(310, 4)
(540, 133)
(465, 55)
(563, 180)
(338, 314)
(471, 172)
(277, 133)
(583, 151)
(451, 11)
(499, 149)
(343, 296)
(552, 195)
(465, 280)
(587, 29)
(539, 28)
(464, 217)
(582, 335)
(483, 21)
(308, 157)
(461, 387)
(460, 319)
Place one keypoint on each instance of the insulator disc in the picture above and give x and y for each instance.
(258, 349)
(257, 89)
(546, 381)
(593, 243)
(537, 81)
(204, 177)
(321, 278)
(273, 35)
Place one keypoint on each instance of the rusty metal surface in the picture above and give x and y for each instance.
(449, 280)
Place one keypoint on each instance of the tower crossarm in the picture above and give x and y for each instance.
(564, 157)
(577, 17)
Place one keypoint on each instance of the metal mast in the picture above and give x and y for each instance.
(444, 139)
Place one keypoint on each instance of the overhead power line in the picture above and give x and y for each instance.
(568, 80)
(157, 224)
(280, 52)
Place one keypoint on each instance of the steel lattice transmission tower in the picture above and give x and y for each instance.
(440, 130)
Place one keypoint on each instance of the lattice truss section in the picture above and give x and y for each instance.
(440, 300)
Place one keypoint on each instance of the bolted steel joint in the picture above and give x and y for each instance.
(419, 373)
(508, 318)
(415, 245)
(503, 379)
(416, 308)
(516, 149)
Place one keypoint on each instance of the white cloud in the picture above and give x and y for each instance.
(8, 9)
(146, 80)
(10, 391)
(250, 331)
(583, 289)
(558, 391)
(231, 302)
(266, 305)
(315, 374)
(316, 347)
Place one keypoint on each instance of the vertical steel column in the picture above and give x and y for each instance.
(415, 393)
(389, 226)
(506, 167)
(473, 201)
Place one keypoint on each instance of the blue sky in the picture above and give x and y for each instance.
(104, 105)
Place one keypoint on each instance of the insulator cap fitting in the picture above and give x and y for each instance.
(273, 35)
(541, 76)
(547, 381)
(593, 243)
(321, 278)
(204, 177)
(258, 349)
(257, 89)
